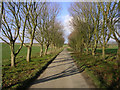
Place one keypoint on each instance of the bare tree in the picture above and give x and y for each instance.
(44, 33)
(100, 20)
(12, 25)
(32, 22)
(39, 37)
(83, 21)
(57, 34)
(105, 33)
(113, 25)
(1, 13)
(44, 23)
(49, 32)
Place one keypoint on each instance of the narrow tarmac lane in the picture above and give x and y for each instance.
(61, 73)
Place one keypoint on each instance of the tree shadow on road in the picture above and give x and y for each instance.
(64, 60)
(61, 64)
(72, 70)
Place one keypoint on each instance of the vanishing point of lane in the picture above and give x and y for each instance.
(61, 73)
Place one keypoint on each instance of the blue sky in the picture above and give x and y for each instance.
(64, 17)
(64, 8)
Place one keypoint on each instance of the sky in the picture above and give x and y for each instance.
(65, 17)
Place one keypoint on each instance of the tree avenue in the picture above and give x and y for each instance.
(12, 24)
(94, 23)
(30, 21)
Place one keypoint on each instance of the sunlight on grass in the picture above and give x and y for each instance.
(104, 73)
(14, 77)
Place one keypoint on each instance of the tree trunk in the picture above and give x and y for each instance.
(12, 54)
(51, 48)
(1, 13)
(46, 49)
(81, 50)
(118, 54)
(94, 49)
(41, 50)
(93, 52)
(29, 54)
(86, 50)
(103, 33)
(54, 49)
(12, 59)
(103, 51)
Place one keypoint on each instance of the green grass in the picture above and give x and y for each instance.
(6, 51)
(13, 77)
(23, 72)
(105, 73)
(112, 51)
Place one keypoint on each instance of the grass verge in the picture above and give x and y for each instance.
(24, 73)
(104, 73)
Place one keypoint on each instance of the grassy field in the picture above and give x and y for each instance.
(23, 71)
(16, 77)
(6, 51)
(104, 73)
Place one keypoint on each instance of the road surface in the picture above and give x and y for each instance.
(61, 73)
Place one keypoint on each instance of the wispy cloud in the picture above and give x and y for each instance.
(67, 28)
